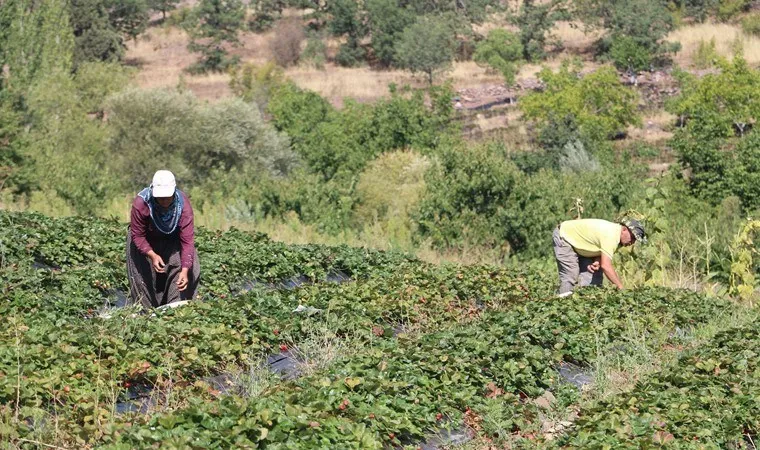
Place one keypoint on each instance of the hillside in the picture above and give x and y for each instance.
(338, 347)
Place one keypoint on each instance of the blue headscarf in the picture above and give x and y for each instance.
(166, 221)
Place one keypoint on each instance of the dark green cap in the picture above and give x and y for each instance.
(636, 229)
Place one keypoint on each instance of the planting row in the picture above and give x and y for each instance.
(401, 390)
(709, 399)
(78, 365)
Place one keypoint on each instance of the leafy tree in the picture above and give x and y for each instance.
(348, 19)
(502, 51)
(95, 37)
(745, 173)
(642, 24)
(725, 103)
(35, 42)
(64, 144)
(16, 167)
(699, 9)
(337, 144)
(297, 112)
(426, 47)
(163, 5)
(464, 193)
(217, 22)
(598, 103)
(35, 39)
(629, 55)
(535, 21)
(129, 17)
(474, 11)
(162, 128)
(708, 163)
(95, 81)
(386, 21)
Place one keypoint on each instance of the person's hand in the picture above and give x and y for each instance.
(158, 263)
(594, 266)
(182, 280)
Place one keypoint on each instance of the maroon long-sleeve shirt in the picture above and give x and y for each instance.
(145, 234)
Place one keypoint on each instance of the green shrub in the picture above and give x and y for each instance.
(256, 83)
(386, 23)
(729, 9)
(350, 54)
(390, 186)
(629, 55)
(464, 192)
(637, 27)
(161, 128)
(706, 54)
(598, 103)
(336, 143)
(315, 52)
(745, 173)
(751, 24)
(722, 104)
(180, 17)
(501, 51)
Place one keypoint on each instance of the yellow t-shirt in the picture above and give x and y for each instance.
(591, 237)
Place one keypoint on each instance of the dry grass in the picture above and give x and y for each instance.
(162, 56)
(725, 36)
(361, 83)
(656, 128)
(574, 40)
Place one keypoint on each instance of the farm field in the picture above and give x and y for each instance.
(338, 347)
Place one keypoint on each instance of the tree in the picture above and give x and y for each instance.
(642, 24)
(386, 21)
(598, 103)
(95, 38)
(35, 39)
(474, 11)
(726, 103)
(502, 51)
(129, 17)
(217, 22)
(464, 193)
(163, 128)
(164, 6)
(348, 20)
(427, 47)
(745, 173)
(535, 22)
(699, 9)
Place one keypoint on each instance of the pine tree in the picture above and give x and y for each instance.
(218, 23)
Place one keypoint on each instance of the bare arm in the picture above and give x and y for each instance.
(609, 271)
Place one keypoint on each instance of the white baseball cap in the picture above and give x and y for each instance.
(163, 184)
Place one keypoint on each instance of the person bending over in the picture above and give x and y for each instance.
(162, 262)
(584, 249)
